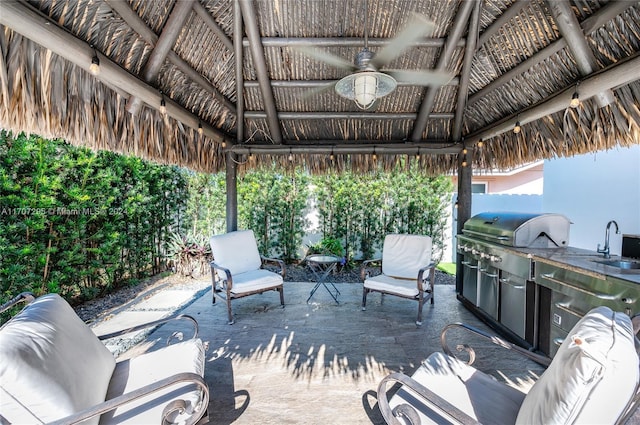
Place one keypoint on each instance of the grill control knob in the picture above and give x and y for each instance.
(496, 259)
(475, 252)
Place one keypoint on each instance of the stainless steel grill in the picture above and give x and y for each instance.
(520, 229)
(498, 277)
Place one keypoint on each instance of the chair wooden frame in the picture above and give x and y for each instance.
(224, 287)
(425, 281)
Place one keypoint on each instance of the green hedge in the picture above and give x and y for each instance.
(81, 223)
(78, 222)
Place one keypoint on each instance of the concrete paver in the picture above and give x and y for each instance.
(321, 362)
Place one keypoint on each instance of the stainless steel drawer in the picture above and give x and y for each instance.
(563, 314)
(586, 291)
(557, 336)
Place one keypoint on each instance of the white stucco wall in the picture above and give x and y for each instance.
(592, 189)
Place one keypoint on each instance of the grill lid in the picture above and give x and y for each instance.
(517, 229)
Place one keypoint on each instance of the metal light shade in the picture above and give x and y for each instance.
(365, 87)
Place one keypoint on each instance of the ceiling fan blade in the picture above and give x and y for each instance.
(417, 28)
(317, 90)
(326, 57)
(420, 77)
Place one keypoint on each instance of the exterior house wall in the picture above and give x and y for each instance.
(593, 189)
(518, 190)
(524, 180)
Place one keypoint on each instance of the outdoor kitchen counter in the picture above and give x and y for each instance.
(582, 261)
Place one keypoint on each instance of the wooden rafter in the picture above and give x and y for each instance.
(170, 32)
(601, 17)
(21, 18)
(213, 25)
(463, 90)
(257, 52)
(137, 24)
(572, 32)
(616, 75)
(427, 103)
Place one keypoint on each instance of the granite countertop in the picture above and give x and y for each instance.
(583, 261)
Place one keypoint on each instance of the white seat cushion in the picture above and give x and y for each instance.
(147, 368)
(403, 287)
(591, 377)
(255, 280)
(404, 255)
(236, 251)
(475, 393)
(51, 364)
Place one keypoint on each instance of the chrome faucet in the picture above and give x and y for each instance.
(605, 249)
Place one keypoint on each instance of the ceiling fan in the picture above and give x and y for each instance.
(368, 80)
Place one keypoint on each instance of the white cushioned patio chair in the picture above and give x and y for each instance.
(237, 269)
(593, 379)
(407, 270)
(55, 370)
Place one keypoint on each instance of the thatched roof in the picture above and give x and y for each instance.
(510, 61)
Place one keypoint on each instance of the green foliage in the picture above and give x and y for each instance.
(273, 205)
(449, 268)
(361, 210)
(190, 255)
(78, 222)
(206, 204)
(326, 245)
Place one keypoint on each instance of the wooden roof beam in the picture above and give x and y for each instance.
(318, 83)
(239, 58)
(572, 32)
(463, 90)
(42, 30)
(452, 40)
(213, 25)
(257, 52)
(616, 75)
(326, 147)
(167, 39)
(341, 42)
(252, 115)
(511, 12)
(139, 26)
(595, 21)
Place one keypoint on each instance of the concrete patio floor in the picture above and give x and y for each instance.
(321, 362)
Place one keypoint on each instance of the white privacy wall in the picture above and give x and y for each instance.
(593, 189)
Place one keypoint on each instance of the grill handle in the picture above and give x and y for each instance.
(490, 275)
(601, 296)
(468, 264)
(507, 281)
(486, 235)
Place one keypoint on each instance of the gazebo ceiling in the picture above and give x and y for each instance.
(509, 61)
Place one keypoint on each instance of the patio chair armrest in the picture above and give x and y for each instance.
(226, 271)
(275, 261)
(545, 361)
(435, 402)
(123, 399)
(155, 323)
(27, 297)
(365, 264)
(431, 266)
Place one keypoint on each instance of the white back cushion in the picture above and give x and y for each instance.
(404, 255)
(51, 364)
(591, 377)
(236, 251)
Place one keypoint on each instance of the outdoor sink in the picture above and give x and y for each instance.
(621, 264)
